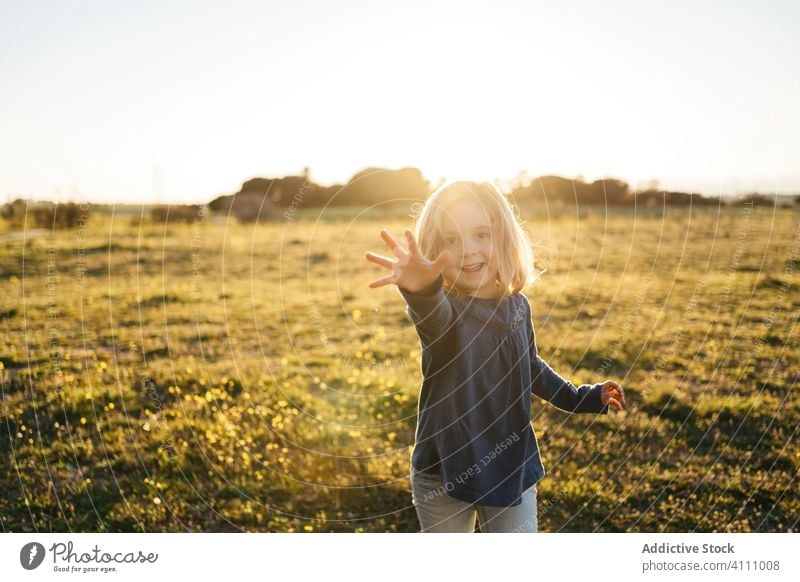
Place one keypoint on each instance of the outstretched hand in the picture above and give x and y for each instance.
(411, 271)
(612, 394)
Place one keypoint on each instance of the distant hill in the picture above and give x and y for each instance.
(269, 198)
(274, 199)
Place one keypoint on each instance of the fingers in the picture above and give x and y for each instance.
(412, 244)
(381, 282)
(620, 393)
(392, 244)
(616, 390)
(613, 395)
(380, 260)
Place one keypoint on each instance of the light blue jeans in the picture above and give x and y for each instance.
(438, 512)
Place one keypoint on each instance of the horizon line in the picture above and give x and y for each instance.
(151, 198)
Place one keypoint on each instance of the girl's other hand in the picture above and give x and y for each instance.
(411, 271)
(612, 394)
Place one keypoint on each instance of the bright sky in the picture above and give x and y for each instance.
(183, 100)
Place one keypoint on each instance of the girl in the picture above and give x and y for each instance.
(475, 452)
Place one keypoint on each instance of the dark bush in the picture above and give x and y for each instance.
(380, 185)
(659, 198)
(255, 208)
(44, 214)
(175, 213)
(755, 200)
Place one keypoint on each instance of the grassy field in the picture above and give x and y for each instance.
(222, 377)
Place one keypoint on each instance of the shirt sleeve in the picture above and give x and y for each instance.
(562, 393)
(558, 391)
(429, 309)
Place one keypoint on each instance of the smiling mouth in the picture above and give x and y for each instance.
(474, 268)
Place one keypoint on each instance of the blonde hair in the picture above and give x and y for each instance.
(514, 253)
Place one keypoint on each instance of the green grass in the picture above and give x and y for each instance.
(221, 377)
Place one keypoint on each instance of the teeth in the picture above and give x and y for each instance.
(473, 267)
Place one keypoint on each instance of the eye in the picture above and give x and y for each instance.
(450, 240)
(484, 235)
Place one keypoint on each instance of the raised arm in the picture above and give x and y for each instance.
(421, 283)
(430, 310)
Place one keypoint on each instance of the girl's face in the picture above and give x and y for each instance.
(469, 238)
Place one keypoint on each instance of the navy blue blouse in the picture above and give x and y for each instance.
(480, 365)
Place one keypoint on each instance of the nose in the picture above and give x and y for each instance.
(471, 249)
